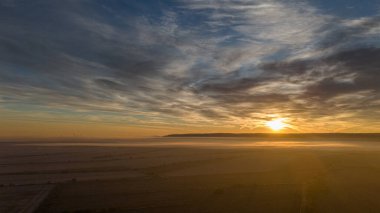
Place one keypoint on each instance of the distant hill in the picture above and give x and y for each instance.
(282, 135)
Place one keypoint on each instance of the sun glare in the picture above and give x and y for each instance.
(276, 124)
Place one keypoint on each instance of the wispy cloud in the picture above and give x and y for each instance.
(193, 62)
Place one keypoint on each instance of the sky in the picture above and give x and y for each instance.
(107, 68)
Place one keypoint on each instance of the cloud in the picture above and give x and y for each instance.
(193, 62)
(340, 73)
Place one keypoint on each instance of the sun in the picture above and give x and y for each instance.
(276, 125)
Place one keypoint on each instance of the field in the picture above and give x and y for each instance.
(190, 175)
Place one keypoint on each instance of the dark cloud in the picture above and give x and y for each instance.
(109, 84)
(61, 47)
(340, 73)
(347, 33)
(362, 63)
(329, 88)
(251, 98)
(226, 84)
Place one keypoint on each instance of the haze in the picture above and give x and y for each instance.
(170, 106)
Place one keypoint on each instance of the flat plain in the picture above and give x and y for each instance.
(190, 175)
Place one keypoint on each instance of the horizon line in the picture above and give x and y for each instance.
(216, 134)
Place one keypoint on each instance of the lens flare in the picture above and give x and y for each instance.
(276, 125)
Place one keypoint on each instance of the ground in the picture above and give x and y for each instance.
(163, 176)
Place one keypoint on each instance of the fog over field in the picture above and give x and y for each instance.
(176, 106)
(190, 174)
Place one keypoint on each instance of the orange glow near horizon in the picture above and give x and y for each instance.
(276, 124)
